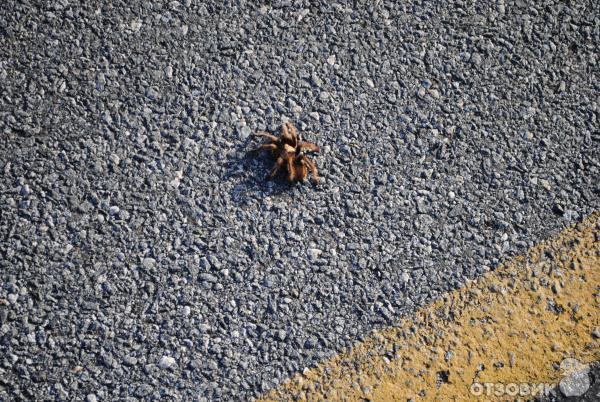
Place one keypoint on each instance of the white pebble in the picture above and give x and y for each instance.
(166, 362)
(314, 253)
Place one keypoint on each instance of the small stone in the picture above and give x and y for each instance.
(575, 384)
(596, 333)
(314, 253)
(166, 362)
(512, 358)
(152, 93)
(107, 117)
(208, 278)
(169, 71)
(115, 159)
(114, 210)
(331, 60)
(546, 184)
(204, 263)
(184, 29)
(456, 211)
(422, 208)
(130, 361)
(245, 132)
(91, 398)
(281, 335)
(12, 298)
(62, 393)
(314, 115)
(405, 277)
(135, 25)
(316, 80)
(311, 342)
(176, 179)
(109, 361)
(303, 13)
(143, 390)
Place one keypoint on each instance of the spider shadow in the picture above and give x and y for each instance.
(248, 169)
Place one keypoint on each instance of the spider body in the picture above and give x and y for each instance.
(290, 154)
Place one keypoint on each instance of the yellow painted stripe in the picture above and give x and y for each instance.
(512, 325)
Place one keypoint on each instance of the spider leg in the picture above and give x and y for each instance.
(278, 164)
(313, 170)
(294, 134)
(266, 147)
(301, 171)
(289, 133)
(291, 169)
(270, 137)
(309, 146)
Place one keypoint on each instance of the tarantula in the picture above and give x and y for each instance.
(289, 153)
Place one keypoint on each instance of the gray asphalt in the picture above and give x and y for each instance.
(145, 256)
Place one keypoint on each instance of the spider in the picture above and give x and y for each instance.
(289, 153)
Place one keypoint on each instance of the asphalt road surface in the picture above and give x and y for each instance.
(144, 255)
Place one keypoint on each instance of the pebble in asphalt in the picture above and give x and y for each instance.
(143, 253)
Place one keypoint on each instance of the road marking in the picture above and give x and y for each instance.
(514, 325)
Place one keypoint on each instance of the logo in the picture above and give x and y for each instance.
(575, 382)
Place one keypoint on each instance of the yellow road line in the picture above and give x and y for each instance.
(511, 326)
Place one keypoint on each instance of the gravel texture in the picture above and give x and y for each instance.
(144, 256)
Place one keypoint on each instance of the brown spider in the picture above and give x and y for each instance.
(289, 152)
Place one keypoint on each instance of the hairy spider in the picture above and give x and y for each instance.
(289, 153)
